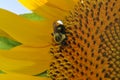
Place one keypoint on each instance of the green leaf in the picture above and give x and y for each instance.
(6, 43)
(1, 72)
(43, 74)
(32, 16)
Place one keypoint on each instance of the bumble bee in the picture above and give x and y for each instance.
(59, 33)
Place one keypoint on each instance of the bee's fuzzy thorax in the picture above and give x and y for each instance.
(93, 38)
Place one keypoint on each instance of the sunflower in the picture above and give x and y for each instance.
(89, 43)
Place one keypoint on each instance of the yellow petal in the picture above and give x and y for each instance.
(23, 59)
(76, 0)
(24, 31)
(52, 9)
(14, 76)
(32, 4)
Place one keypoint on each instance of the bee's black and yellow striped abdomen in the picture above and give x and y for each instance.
(93, 38)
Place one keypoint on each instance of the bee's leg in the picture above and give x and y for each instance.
(64, 43)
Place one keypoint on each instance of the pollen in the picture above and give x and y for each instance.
(93, 43)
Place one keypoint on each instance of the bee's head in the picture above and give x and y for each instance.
(59, 27)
